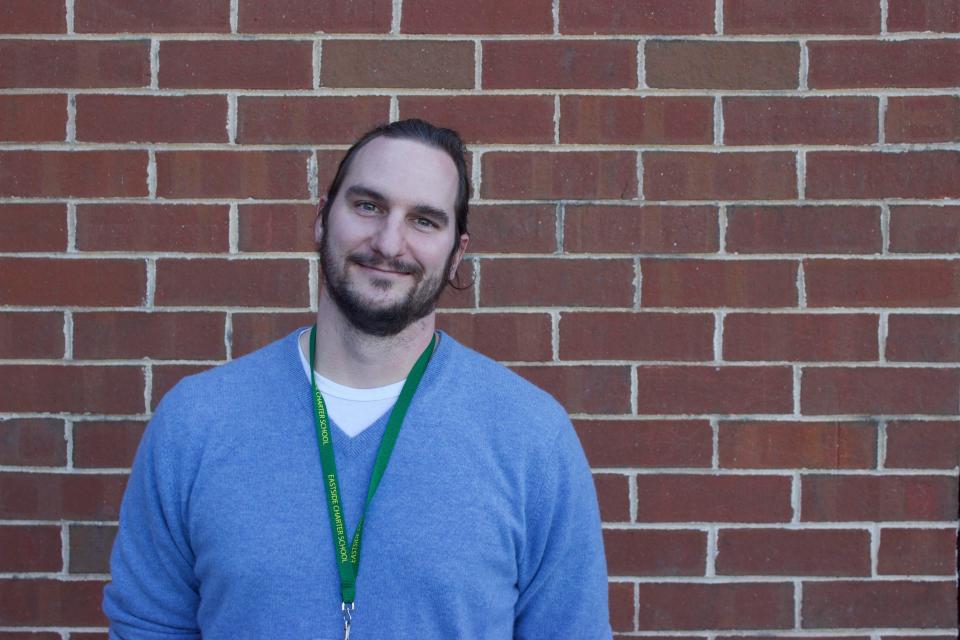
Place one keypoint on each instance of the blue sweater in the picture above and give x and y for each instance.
(485, 524)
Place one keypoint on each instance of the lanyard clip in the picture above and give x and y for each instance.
(347, 610)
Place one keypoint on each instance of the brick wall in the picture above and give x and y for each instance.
(723, 232)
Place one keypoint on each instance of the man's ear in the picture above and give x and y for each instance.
(458, 254)
(318, 223)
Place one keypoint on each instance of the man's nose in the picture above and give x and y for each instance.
(389, 240)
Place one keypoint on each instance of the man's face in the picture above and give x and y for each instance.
(390, 240)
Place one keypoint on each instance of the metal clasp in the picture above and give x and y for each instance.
(347, 610)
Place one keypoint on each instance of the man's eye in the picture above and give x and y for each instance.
(426, 223)
(367, 206)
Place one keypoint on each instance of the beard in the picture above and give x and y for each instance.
(391, 319)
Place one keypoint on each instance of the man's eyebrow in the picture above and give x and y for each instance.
(366, 192)
(439, 215)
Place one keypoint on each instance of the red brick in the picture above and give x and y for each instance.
(803, 229)
(917, 552)
(312, 16)
(719, 176)
(106, 444)
(83, 174)
(801, 16)
(788, 120)
(874, 175)
(30, 548)
(104, 636)
(685, 64)
(669, 606)
(915, 444)
(718, 283)
(68, 282)
(633, 552)
(620, 597)
(873, 498)
(559, 64)
(636, 336)
(152, 227)
(166, 376)
(806, 445)
(513, 337)
(29, 334)
(708, 390)
(636, 120)
(33, 227)
(427, 64)
(103, 118)
(159, 336)
(464, 298)
(882, 283)
(232, 174)
(613, 494)
(893, 64)
(146, 16)
(584, 389)
(216, 282)
(71, 389)
(33, 117)
(308, 119)
(36, 635)
(796, 552)
(254, 330)
(33, 16)
(923, 338)
(925, 229)
(52, 496)
(640, 229)
(646, 443)
(236, 64)
(277, 227)
(923, 119)
(712, 498)
(879, 604)
(477, 16)
(74, 63)
(487, 119)
(90, 547)
(590, 283)
(924, 15)
(32, 442)
(574, 175)
(51, 602)
(512, 228)
(652, 17)
(800, 337)
(879, 390)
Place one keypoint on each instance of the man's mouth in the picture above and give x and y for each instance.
(391, 267)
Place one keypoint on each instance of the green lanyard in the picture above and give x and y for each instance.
(348, 559)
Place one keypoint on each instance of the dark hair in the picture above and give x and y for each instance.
(446, 140)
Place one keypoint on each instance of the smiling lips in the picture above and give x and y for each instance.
(392, 267)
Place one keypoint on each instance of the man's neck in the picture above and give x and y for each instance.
(356, 359)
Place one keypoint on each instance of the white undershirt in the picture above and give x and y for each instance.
(353, 410)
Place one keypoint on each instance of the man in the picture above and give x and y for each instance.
(481, 520)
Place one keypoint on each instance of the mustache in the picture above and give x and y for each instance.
(392, 264)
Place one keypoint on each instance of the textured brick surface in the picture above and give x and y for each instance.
(215, 282)
(719, 176)
(719, 606)
(591, 283)
(859, 498)
(83, 174)
(768, 120)
(923, 15)
(103, 118)
(694, 498)
(90, 548)
(95, 389)
(397, 63)
(805, 445)
(31, 334)
(646, 443)
(307, 120)
(486, 119)
(276, 227)
(923, 119)
(644, 17)
(567, 175)
(584, 389)
(881, 604)
(796, 552)
(803, 229)
(925, 229)
(51, 602)
(32, 442)
(514, 336)
(223, 64)
(655, 553)
(923, 444)
(33, 227)
(702, 389)
(917, 552)
(869, 175)
(613, 494)
(647, 229)
(33, 16)
(152, 227)
(310, 16)
(33, 117)
(30, 548)
(804, 337)
(679, 64)
(477, 16)
(845, 390)
(51, 496)
(636, 120)
(902, 64)
(159, 336)
(39, 281)
(106, 444)
(584, 64)
(636, 336)
(801, 16)
(232, 174)
(923, 338)
(709, 283)
(882, 283)
(66, 64)
(513, 228)
(170, 16)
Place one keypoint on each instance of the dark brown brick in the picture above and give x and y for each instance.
(801, 16)
(254, 330)
(159, 336)
(568, 175)
(796, 445)
(152, 227)
(512, 228)
(71, 603)
(559, 64)
(236, 64)
(800, 337)
(33, 227)
(653, 17)
(33, 16)
(32, 442)
(793, 552)
(887, 64)
(198, 118)
(719, 176)
(477, 16)
(52, 496)
(620, 597)
(879, 390)
(165, 377)
(924, 15)
(915, 444)
(686, 64)
(636, 120)
(870, 498)
(36, 635)
(613, 494)
(30, 548)
(584, 389)
(590, 283)
(718, 283)
(90, 548)
(522, 337)
(646, 443)
(82, 174)
(110, 444)
(879, 604)
(427, 64)
(707, 390)
(882, 283)
(803, 229)
(636, 336)
(72, 389)
(923, 338)
(232, 174)
(33, 117)
(74, 63)
(31, 334)
(146, 16)
(917, 552)
(487, 119)
(216, 282)
(925, 229)
(923, 119)
(667, 606)
(874, 175)
(633, 552)
(312, 16)
(308, 119)
(640, 229)
(277, 227)
(787, 120)
(712, 498)
(69, 282)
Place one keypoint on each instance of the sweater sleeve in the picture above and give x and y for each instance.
(154, 592)
(563, 571)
